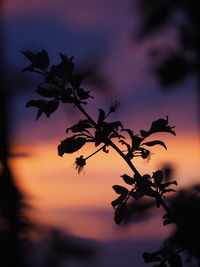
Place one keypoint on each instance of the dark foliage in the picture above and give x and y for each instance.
(62, 85)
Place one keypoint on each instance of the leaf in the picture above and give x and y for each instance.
(168, 190)
(35, 103)
(129, 154)
(136, 194)
(150, 192)
(127, 179)
(156, 142)
(136, 140)
(81, 126)
(120, 189)
(161, 125)
(144, 133)
(66, 65)
(114, 125)
(38, 60)
(83, 94)
(48, 92)
(67, 96)
(71, 145)
(118, 200)
(48, 108)
(76, 80)
(165, 185)
(29, 55)
(42, 60)
(130, 132)
(120, 213)
(158, 177)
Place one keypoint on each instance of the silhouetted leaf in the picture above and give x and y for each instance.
(165, 185)
(161, 125)
(120, 189)
(35, 103)
(136, 140)
(67, 96)
(130, 153)
(70, 145)
(118, 200)
(48, 92)
(168, 190)
(158, 177)
(156, 142)
(29, 55)
(38, 60)
(136, 194)
(48, 108)
(127, 179)
(114, 125)
(67, 65)
(81, 126)
(76, 81)
(83, 94)
(120, 213)
(42, 60)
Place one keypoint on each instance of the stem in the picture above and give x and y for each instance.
(95, 152)
(130, 164)
(87, 115)
(115, 147)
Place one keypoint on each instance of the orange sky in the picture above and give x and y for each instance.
(53, 185)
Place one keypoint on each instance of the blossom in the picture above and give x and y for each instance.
(79, 164)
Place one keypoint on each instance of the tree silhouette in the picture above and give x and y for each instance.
(61, 85)
(173, 65)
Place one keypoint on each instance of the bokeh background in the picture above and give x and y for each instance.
(101, 34)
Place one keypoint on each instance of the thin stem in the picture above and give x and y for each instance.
(95, 152)
(87, 115)
(125, 158)
(115, 147)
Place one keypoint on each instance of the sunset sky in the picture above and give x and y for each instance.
(79, 28)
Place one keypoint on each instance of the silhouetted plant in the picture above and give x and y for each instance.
(61, 84)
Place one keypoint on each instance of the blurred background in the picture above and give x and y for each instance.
(109, 41)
